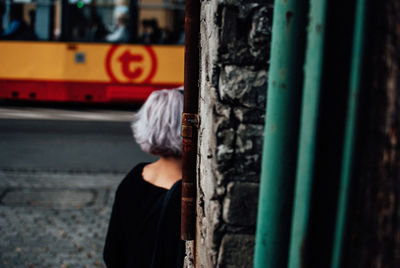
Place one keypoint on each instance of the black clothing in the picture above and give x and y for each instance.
(131, 235)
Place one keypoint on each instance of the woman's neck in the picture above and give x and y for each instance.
(164, 172)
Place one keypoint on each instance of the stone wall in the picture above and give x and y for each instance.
(235, 40)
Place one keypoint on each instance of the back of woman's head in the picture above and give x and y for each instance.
(157, 125)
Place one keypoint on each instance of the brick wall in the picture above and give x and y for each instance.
(235, 38)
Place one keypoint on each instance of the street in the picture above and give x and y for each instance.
(58, 175)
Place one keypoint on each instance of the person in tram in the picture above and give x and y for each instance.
(151, 32)
(144, 228)
(18, 29)
(97, 31)
(121, 33)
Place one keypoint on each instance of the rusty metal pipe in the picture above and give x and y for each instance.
(190, 119)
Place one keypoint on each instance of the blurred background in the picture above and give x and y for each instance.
(72, 75)
(59, 169)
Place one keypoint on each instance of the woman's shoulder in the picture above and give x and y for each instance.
(176, 189)
(137, 170)
(175, 194)
(132, 178)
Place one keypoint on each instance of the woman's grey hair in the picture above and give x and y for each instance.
(157, 125)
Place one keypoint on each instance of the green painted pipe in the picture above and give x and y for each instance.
(281, 129)
(350, 130)
(308, 129)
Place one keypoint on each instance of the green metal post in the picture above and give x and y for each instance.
(280, 141)
(308, 129)
(350, 130)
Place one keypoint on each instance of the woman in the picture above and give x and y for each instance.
(144, 229)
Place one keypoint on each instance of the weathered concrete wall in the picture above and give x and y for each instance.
(235, 39)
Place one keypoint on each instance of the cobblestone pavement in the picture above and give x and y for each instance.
(50, 219)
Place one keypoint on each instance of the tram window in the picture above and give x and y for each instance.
(119, 21)
(124, 21)
(17, 21)
(28, 19)
(161, 22)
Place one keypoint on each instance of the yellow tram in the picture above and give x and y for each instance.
(67, 64)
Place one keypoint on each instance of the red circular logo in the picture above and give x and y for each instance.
(131, 64)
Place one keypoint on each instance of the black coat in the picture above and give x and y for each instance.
(136, 236)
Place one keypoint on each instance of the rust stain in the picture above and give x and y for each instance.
(318, 28)
(272, 127)
(187, 131)
(282, 72)
(289, 15)
(393, 136)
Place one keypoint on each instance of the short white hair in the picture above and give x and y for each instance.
(157, 125)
